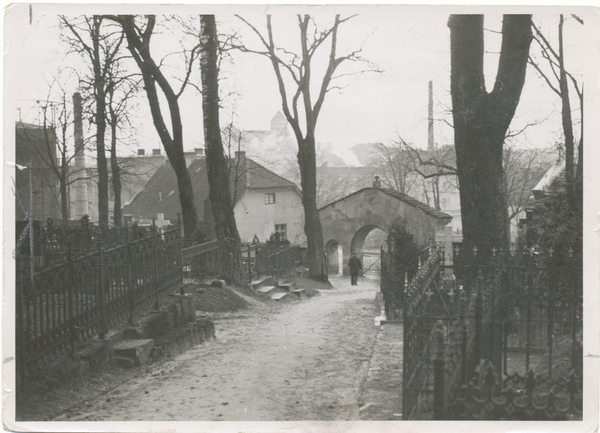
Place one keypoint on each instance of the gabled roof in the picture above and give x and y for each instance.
(161, 194)
(402, 197)
(254, 176)
(548, 179)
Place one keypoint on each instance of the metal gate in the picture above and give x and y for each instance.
(371, 261)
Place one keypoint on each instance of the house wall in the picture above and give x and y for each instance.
(46, 194)
(254, 217)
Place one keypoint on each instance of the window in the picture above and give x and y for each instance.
(281, 229)
(270, 198)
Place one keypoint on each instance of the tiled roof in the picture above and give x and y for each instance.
(255, 176)
(156, 197)
(406, 199)
(160, 194)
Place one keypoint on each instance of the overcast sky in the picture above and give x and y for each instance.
(410, 44)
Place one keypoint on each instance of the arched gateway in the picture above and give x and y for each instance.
(347, 222)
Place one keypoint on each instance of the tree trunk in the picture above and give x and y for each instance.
(481, 120)
(312, 222)
(567, 121)
(64, 199)
(116, 172)
(139, 47)
(100, 121)
(216, 165)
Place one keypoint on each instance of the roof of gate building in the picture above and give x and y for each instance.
(402, 197)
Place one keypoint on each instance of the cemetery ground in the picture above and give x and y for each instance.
(321, 358)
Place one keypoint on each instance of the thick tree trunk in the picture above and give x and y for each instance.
(100, 126)
(216, 165)
(481, 120)
(312, 222)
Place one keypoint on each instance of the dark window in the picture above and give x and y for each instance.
(281, 229)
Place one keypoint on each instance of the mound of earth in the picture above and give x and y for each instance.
(215, 299)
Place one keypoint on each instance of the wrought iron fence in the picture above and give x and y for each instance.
(278, 261)
(201, 262)
(53, 243)
(57, 307)
(518, 316)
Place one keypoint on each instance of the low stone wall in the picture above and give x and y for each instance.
(173, 329)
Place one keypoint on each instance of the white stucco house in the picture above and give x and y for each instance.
(264, 202)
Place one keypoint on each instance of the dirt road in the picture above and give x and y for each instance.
(308, 361)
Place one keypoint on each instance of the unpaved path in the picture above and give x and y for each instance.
(308, 361)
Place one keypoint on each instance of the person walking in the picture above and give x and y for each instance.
(355, 266)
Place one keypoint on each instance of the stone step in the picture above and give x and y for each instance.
(260, 282)
(266, 289)
(286, 286)
(279, 296)
(303, 272)
(136, 351)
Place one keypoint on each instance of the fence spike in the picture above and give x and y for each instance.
(530, 382)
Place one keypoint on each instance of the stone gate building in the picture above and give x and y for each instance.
(347, 222)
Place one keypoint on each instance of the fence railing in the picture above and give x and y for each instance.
(60, 306)
(53, 243)
(522, 319)
(260, 260)
(201, 262)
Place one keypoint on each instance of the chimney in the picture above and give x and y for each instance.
(155, 152)
(377, 182)
(240, 154)
(141, 152)
(430, 143)
(198, 151)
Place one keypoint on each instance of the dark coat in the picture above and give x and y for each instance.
(354, 264)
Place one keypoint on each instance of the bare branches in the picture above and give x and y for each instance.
(297, 65)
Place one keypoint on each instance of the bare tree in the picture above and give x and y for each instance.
(120, 90)
(216, 164)
(139, 35)
(393, 166)
(413, 171)
(481, 122)
(298, 95)
(101, 48)
(523, 168)
(51, 143)
(558, 80)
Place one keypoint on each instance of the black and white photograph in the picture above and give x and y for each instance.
(301, 218)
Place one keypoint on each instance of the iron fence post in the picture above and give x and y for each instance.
(20, 325)
(478, 323)
(131, 280)
(249, 265)
(439, 366)
(156, 261)
(102, 292)
(71, 318)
